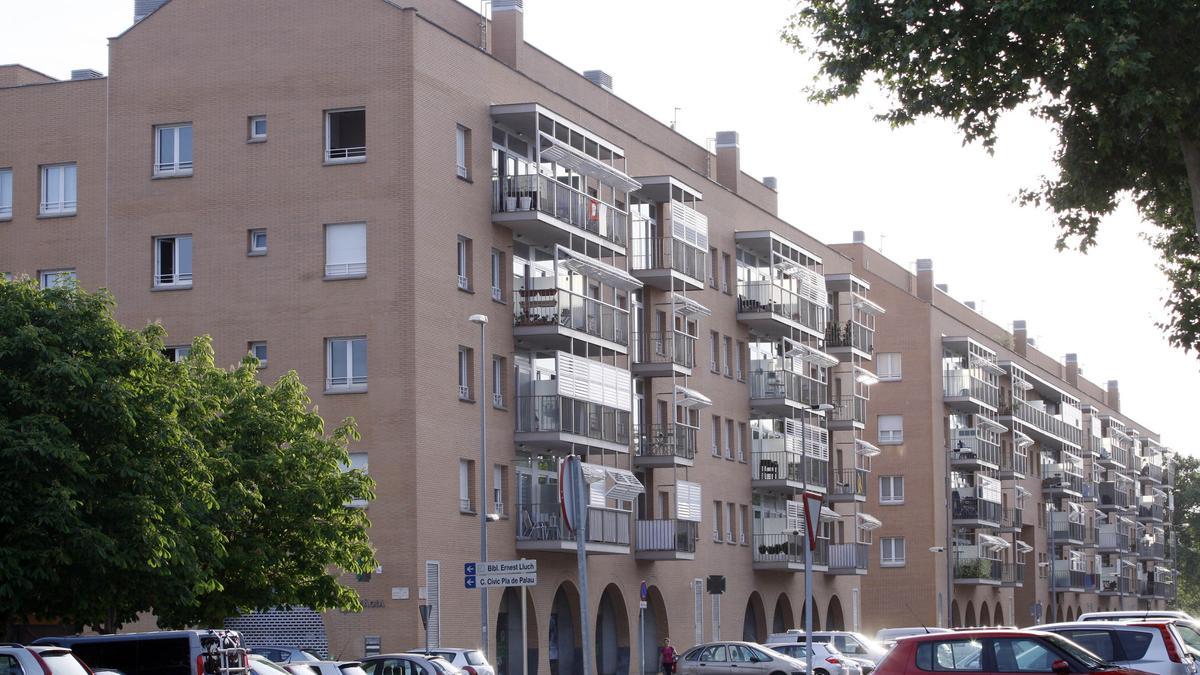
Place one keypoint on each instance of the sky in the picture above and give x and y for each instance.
(917, 192)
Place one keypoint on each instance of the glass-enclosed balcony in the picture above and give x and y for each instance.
(666, 445)
(565, 400)
(1051, 427)
(1113, 583)
(1114, 539)
(1115, 495)
(970, 376)
(664, 353)
(1063, 478)
(1072, 575)
(1151, 551)
(564, 312)
(1150, 513)
(666, 539)
(977, 565)
(1012, 519)
(780, 287)
(554, 181)
(541, 529)
(777, 389)
(974, 448)
(851, 330)
(1014, 462)
(563, 417)
(1066, 527)
(976, 501)
(788, 457)
(849, 412)
(668, 246)
(1151, 473)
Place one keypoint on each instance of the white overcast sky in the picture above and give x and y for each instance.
(917, 192)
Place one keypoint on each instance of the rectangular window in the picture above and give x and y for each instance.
(891, 429)
(740, 361)
(891, 551)
(729, 439)
(717, 521)
(731, 523)
(258, 128)
(258, 242)
(726, 273)
(57, 278)
(498, 371)
(6, 195)
(346, 364)
(466, 472)
(173, 150)
(497, 275)
(176, 353)
(727, 356)
(58, 190)
(463, 262)
(741, 442)
(346, 135)
(346, 250)
(462, 151)
(713, 263)
(889, 365)
(465, 372)
(259, 351)
(499, 488)
(714, 342)
(173, 261)
(716, 436)
(358, 462)
(744, 525)
(891, 489)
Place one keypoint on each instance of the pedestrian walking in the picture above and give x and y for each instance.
(667, 657)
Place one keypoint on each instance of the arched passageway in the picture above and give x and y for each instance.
(508, 633)
(612, 633)
(782, 618)
(833, 616)
(562, 632)
(754, 621)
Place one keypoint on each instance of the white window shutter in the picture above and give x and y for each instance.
(346, 244)
(795, 516)
(433, 586)
(687, 501)
(698, 611)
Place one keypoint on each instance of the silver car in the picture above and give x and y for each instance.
(827, 660)
(736, 658)
(472, 661)
(1155, 649)
(855, 645)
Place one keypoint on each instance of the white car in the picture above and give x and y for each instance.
(887, 637)
(1153, 647)
(37, 660)
(1127, 616)
(827, 660)
(736, 658)
(855, 645)
(472, 661)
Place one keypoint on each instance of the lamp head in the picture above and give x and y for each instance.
(480, 319)
(823, 407)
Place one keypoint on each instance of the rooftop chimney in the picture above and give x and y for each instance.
(508, 31)
(1072, 372)
(729, 161)
(970, 305)
(1020, 337)
(771, 182)
(85, 74)
(600, 79)
(1114, 396)
(860, 237)
(925, 279)
(144, 8)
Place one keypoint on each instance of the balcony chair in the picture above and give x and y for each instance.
(538, 531)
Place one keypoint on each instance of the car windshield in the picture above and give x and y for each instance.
(1078, 653)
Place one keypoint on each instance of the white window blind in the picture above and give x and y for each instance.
(345, 249)
(687, 501)
(888, 365)
(587, 380)
(891, 428)
(464, 485)
(795, 516)
(433, 593)
(6, 194)
(689, 225)
(989, 488)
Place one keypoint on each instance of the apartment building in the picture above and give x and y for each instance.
(1045, 500)
(342, 207)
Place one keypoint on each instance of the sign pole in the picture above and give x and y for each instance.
(524, 636)
(579, 488)
(808, 602)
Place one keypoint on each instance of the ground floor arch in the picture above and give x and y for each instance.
(834, 620)
(955, 616)
(508, 658)
(754, 620)
(999, 618)
(782, 618)
(655, 628)
(969, 616)
(612, 633)
(985, 614)
(816, 616)
(563, 637)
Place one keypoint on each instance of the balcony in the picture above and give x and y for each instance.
(785, 552)
(552, 318)
(1012, 575)
(666, 445)
(1014, 464)
(1153, 589)
(849, 558)
(978, 571)
(849, 412)
(557, 423)
(1012, 520)
(1065, 531)
(1111, 584)
(969, 452)
(663, 354)
(1046, 427)
(1063, 479)
(779, 392)
(1067, 579)
(548, 212)
(1151, 473)
(964, 391)
(851, 336)
(676, 262)
(1154, 551)
(541, 530)
(1113, 498)
(787, 471)
(1113, 541)
(666, 539)
(1150, 513)
(976, 513)
(849, 485)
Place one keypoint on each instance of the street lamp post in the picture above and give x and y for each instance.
(808, 544)
(481, 320)
(949, 542)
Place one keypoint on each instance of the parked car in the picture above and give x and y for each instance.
(284, 654)
(337, 667)
(35, 660)
(1153, 648)
(736, 658)
(855, 645)
(994, 651)
(1189, 631)
(1125, 615)
(261, 665)
(473, 661)
(301, 668)
(168, 652)
(827, 660)
(888, 636)
(407, 664)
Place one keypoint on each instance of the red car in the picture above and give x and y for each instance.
(992, 652)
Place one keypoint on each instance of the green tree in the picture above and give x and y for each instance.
(1185, 520)
(1119, 80)
(138, 484)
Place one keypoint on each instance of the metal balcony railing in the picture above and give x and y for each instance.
(1063, 529)
(1012, 517)
(785, 384)
(1111, 583)
(788, 548)
(1115, 541)
(666, 347)
(972, 508)
(543, 522)
(849, 482)
(849, 409)
(1048, 423)
(1150, 550)
(966, 447)
(663, 253)
(550, 306)
(1068, 578)
(1152, 471)
(1111, 495)
(766, 296)
(563, 202)
(1012, 574)
(850, 334)
(666, 440)
(1150, 511)
(978, 568)
(849, 556)
(667, 535)
(958, 383)
(788, 465)
(1014, 461)
(572, 416)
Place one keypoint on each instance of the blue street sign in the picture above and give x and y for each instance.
(469, 581)
(643, 590)
(469, 568)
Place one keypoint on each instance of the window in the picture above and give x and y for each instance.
(259, 351)
(714, 342)
(499, 483)
(58, 190)
(717, 521)
(744, 525)
(258, 128)
(950, 655)
(889, 365)
(346, 135)
(258, 242)
(731, 523)
(713, 263)
(726, 272)
(741, 442)
(358, 462)
(727, 356)
(1096, 641)
(173, 150)
(891, 489)
(346, 250)
(713, 653)
(57, 278)
(462, 151)
(346, 364)
(464, 373)
(1023, 655)
(497, 275)
(891, 551)
(498, 381)
(728, 439)
(740, 361)
(716, 436)
(176, 353)
(891, 429)
(463, 255)
(6, 197)
(173, 261)
(466, 471)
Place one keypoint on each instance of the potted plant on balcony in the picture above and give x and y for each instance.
(525, 200)
(510, 197)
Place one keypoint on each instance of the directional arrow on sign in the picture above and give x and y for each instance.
(469, 581)
(469, 568)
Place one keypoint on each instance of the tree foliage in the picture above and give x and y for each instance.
(1185, 520)
(138, 484)
(1119, 80)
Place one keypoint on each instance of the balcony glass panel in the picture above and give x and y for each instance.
(550, 306)
(542, 521)
(788, 548)
(571, 416)
(562, 200)
(667, 347)
(772, 379)
(667, 535)
(669, 440)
